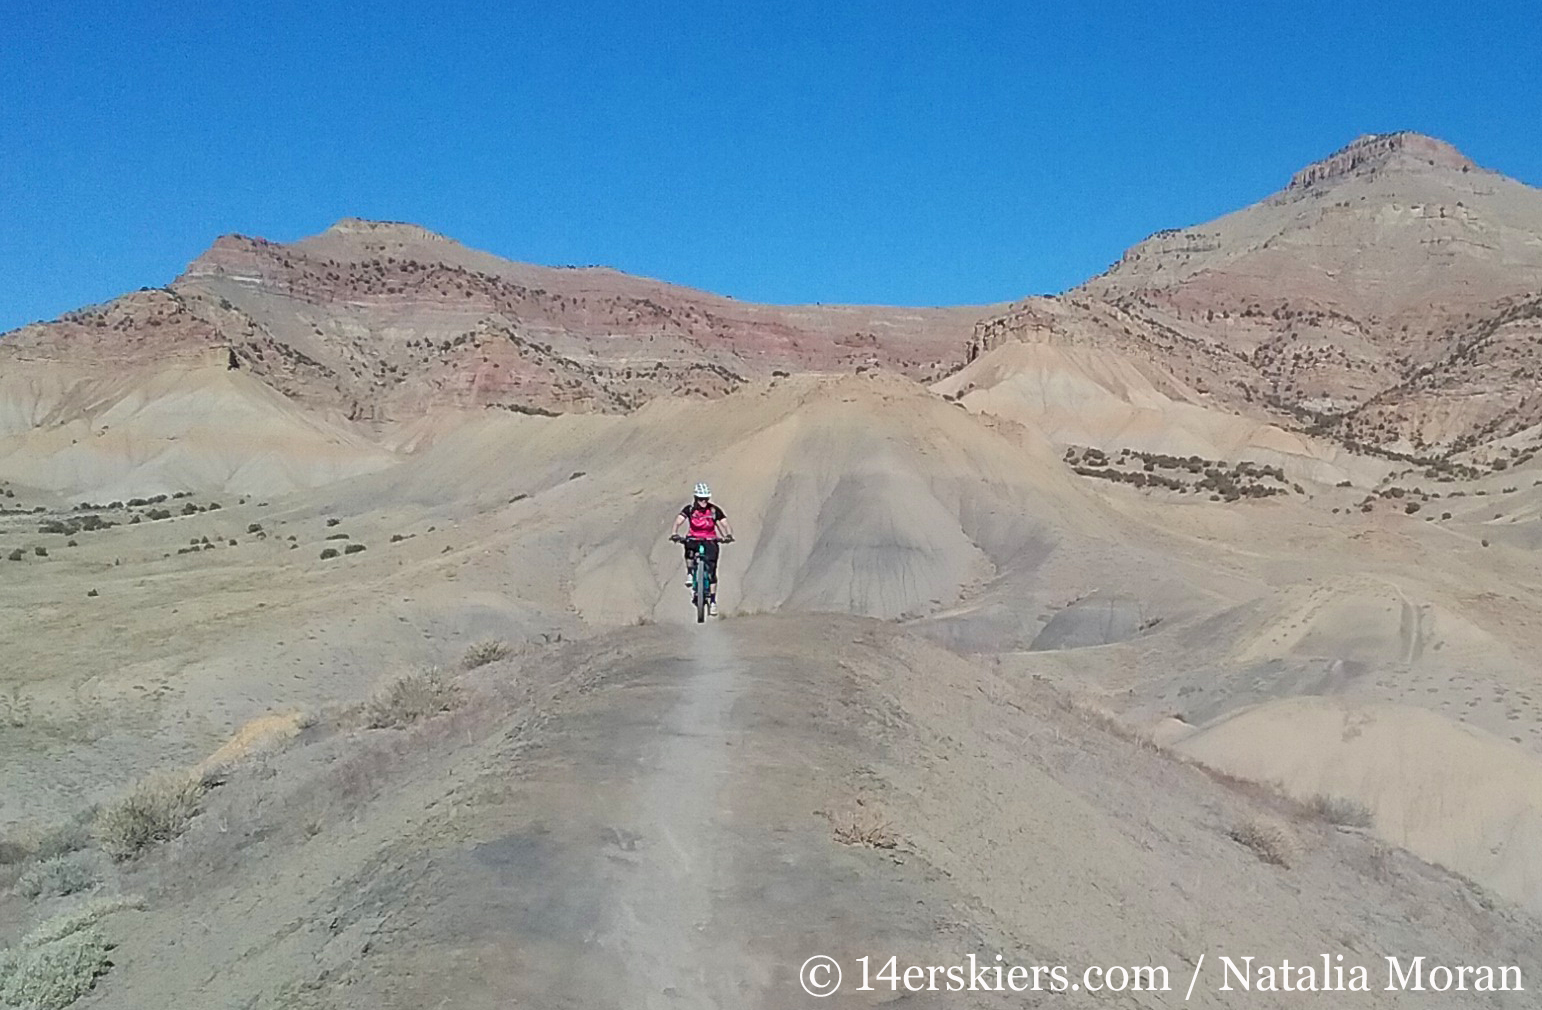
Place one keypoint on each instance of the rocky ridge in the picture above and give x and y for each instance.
(1387, 298)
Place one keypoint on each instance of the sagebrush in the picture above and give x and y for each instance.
(56, 974)
(1340, 810)
(415, 696)
(60, 960)
(486, 651)
(157, 810)
(57, 876)
(1268, 840)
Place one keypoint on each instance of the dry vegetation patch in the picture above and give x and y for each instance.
(865, 829)
(1340, 810)
(1269, 840)
(157, 810)
(416, 696)
(486, 651)
(71, 836)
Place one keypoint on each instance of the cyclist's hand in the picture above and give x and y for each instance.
(728, 539)
(677, 538)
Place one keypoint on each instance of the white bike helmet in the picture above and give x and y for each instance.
(703, 491)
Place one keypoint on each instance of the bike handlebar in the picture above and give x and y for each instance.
(677, 538)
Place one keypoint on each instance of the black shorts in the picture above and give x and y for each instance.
(712, 549)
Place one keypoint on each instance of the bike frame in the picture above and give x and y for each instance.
(701, 582)
(701, 590)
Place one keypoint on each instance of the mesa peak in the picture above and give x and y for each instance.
(1375, 152)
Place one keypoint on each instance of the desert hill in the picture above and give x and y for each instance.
(385, 321)
(1101, 627)
(1387, 295)
(1385, 300)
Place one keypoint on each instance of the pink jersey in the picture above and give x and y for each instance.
(701, 523)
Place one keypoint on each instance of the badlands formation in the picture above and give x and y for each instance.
(1188, 612)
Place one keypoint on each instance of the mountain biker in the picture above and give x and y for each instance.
(704, 521)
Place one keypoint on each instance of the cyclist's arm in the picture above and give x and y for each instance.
(678, 520)
(728, 530)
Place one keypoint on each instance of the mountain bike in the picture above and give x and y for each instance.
(701, 580)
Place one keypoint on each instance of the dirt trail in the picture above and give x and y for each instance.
(663, 901)
(668, 843)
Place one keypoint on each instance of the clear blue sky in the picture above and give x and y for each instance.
(861, 152)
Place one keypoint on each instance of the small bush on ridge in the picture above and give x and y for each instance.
(416, 696)
(157, 810)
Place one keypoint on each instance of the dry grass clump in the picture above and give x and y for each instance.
(57, 876)
(262, 735)
(1340, 810)
(489, 650)
(59, 961)
(1270, 841)
(416, 696)
(157, 810)
(870, 832)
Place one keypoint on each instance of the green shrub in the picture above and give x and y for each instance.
(15, 555)
(353, 548)
(60, 960)
(59, 875)
(328, 554)
(51, 976)
(157, 810)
